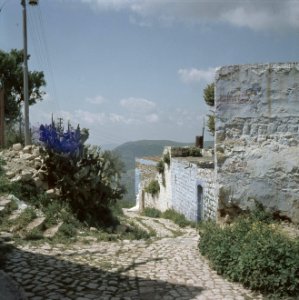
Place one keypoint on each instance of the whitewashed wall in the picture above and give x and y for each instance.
(257, 131)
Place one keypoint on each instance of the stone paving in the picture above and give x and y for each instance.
(164, 268)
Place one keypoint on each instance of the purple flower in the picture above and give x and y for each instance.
(59, 141)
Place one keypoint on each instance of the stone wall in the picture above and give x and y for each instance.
(161, 201)
(179, 189)
(257, 138)
(186, 177)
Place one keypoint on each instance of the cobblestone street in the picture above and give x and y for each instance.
(165, 268)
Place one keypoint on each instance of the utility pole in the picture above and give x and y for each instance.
(2, 121)
(25, 76)
(25, 72)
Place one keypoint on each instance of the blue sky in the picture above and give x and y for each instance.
(135, 69)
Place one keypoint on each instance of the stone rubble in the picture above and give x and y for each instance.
(24, 164)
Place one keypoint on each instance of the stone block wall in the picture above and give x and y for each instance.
(186, 177)
(257, 138)
(180, 189)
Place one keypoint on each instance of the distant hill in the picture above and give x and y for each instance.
(108, 146)
(130, 150)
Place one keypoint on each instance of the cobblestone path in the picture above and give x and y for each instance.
(165, 268)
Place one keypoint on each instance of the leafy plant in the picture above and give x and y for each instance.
(254, 252)
(88, 179)
(153, 188)
(166, 158)
(176, 217)
(152, 212)
(160, 166)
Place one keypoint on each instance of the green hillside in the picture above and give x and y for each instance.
(130, 150)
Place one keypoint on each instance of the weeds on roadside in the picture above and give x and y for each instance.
(254, 252)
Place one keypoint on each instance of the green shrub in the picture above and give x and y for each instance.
(195, 151)
(254, 253)
(89, 183)
(160, 167)
(166, 158)
(153, 188)
(152, 212)
(176, 217)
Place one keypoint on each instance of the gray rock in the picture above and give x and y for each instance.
(17, 147)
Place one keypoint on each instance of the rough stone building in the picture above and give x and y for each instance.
(257, 135)
(256, 149)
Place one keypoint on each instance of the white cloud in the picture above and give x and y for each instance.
(138, 105)
(95, 100)
(254, 14)
(196, 75)
(152, 118)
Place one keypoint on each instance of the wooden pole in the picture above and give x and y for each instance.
(2, 120)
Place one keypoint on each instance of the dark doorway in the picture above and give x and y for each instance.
(199, 202)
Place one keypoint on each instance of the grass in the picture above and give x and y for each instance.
(28, 215)
(55, 212)
(152, 212)
(169, 214)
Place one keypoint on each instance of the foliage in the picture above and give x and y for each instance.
(88, 179)
(160, 166)
(187, 151)
(25, 218)
(253, 252)
(161, 169)
(152, 212)
(211, 124)
(209, 94)
(166, 158)
(11, 77)
(176, 217)
(209, 97)
(60, 142)
(153, 188)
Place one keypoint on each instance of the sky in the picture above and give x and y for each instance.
(136, 69)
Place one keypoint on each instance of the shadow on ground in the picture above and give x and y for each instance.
(48, 277)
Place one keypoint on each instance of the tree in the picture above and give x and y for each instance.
(11, 79)
(209, 97)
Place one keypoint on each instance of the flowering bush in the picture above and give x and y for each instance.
(60, 142)
(88, 179)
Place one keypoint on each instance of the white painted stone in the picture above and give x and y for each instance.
(258, 104)
(17, 147)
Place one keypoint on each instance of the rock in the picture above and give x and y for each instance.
(41, 175)
(17, 147)
(35, 223)
(16, 179)
(27, 156)
(50, 232)
(26, 175)
(38, 182)
(27, 149)
(36, 152)
(10, 174)
(53, 193)
(5, 236)
(4, 200)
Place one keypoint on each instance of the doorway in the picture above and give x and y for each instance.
(199, 203)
